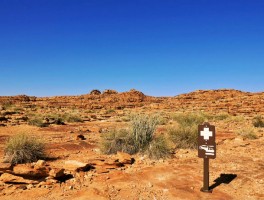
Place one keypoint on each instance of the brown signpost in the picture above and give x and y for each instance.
(206, 150)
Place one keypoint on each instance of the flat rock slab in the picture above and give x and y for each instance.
(27, 170)
(74, 165)
(9, 178)
(5, 166)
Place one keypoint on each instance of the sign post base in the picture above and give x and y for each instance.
(206, 190)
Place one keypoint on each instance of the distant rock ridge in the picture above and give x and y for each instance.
(230, 101)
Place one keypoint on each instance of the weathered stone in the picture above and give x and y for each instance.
(40, 164)
(30, 186)
(80, 137)
(5, 166)
(9, 178)
(102, 170)
(29, 171)
(51, 181)
(124, 158)
(57, 173)
(74, 165)
(22, 169)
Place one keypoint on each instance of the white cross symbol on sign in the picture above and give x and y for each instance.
(206, 133)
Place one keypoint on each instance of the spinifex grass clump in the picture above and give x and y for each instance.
(247, 133)
(159, 148)
(186, 119)
(22, 148)
(185, 134)
(139, 137)
(71, 117)
(36, 121)
(118, 140)
(143, 129)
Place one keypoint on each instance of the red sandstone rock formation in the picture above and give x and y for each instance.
(233, 102)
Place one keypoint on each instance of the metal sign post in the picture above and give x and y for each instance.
(206, 150)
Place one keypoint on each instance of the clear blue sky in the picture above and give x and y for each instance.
(160, 47)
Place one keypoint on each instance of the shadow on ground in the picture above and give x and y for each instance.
(223, 178)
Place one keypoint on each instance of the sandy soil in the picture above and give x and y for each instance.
(236, 173)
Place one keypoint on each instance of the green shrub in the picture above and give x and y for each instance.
(163, 120)
(125, 119)
(69, 117)
(37, 121)
(23, 149)
(138, 138)
(188, 119)
(216, 117)
(247, 133)
(237, 119)
(221, 116)
(143, 129)
(54, 119)
(117, 140)
(110, 111)
(258, 121)
(185, 134)
(7, 105)
(159, 148)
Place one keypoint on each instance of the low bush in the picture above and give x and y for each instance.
(247, 133)
(54, 119)
(117, 140)
(187, 119)
(159, 148)
(163, 120)
(143, 129)
(23, 149)
(185, 134)
(139, 137)
(7, 105)
(37, 121)
(110, 111)
(258, 121)
(221, 116)
(216, 117)
(70, 117)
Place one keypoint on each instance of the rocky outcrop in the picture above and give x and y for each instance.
(16, 99)
(108, 91)
(233, 102)
(95, 92)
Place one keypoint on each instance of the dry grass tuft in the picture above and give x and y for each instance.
(247, 133)
(185, 134)
(23, 149)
